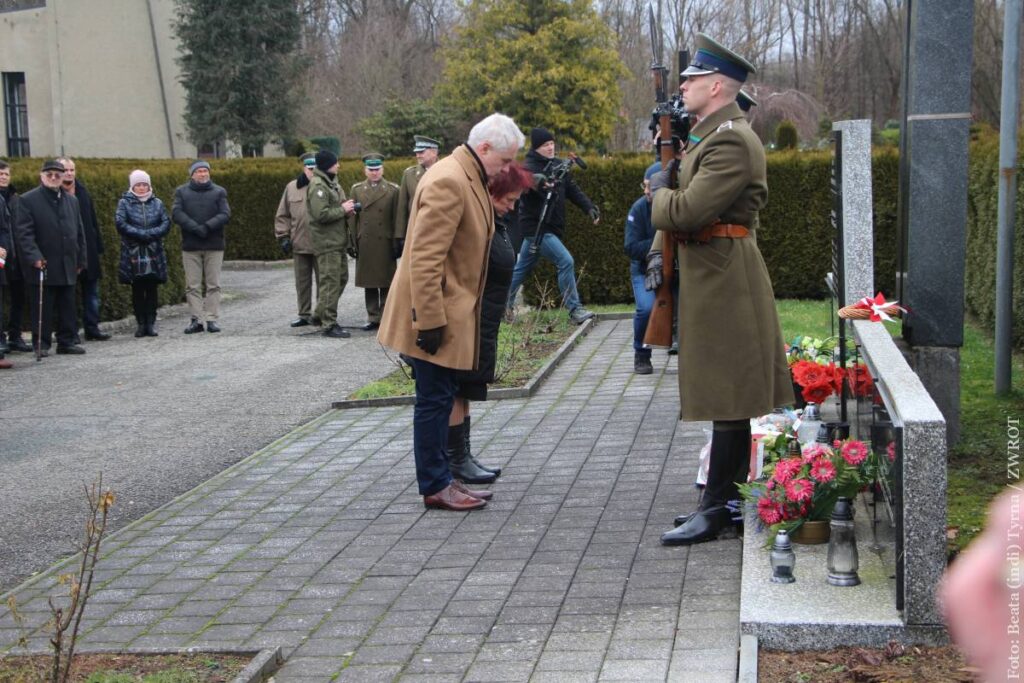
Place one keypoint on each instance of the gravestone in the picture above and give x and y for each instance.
(902, 536)
(936, 94)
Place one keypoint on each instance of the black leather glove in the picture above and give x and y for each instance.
(286, 246)
(594, 213)
(430, 340)
(397, 247)
(661, 178)
(352, 251)
(653, 277)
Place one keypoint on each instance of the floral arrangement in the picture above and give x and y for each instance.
(805, 488)
(816, 374)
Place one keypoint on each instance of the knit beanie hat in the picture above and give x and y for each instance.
(325, 159)
(138, 176)
(538, 136)
(202, 163)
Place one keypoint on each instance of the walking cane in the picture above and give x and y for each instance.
(39, 335)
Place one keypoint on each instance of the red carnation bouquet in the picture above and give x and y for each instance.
(816, 374)
(795, 490)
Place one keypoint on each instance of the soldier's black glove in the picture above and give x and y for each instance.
(352, 251)
(286, 246)
(653, 277)
(430, 340)
(594, 213)
(661, 178)
(397, 248)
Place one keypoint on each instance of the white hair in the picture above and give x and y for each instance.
(498, 130)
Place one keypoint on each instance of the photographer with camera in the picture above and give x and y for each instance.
(542, 221)
(372, 225)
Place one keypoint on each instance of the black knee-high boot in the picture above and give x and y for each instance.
(460, 465)
(495, 469)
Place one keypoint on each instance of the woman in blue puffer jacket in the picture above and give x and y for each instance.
(142, 222)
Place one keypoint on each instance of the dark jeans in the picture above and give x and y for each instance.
(435, 393)
(144, 299)
(90, 304)
(16, 290)
(67, 317)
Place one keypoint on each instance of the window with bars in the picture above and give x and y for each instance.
(16, 114)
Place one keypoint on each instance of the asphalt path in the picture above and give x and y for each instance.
(157, 416)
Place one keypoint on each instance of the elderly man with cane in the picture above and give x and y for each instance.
(51, 244)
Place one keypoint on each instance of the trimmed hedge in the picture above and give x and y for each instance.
(982, 229)
(795, 234)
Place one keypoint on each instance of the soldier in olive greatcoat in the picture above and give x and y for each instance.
(291, 228)
(372, 231)
(328, 209)
(731, 354)
(426, 151)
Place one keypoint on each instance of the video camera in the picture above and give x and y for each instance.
(556, 169)
(681, 119)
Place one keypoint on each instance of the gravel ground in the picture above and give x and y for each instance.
(157, 416)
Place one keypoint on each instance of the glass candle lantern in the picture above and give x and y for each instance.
(842, 546)
(783, 559)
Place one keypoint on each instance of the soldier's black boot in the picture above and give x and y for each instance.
(729, 465)
(495, 470)
(151, 325)
(460, 465)
(140, 327)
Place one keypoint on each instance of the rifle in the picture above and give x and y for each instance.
(659, 325)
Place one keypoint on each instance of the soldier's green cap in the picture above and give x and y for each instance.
(424, 143)
(745, 100)
(308, 159)
(712, 57)
(373, 160)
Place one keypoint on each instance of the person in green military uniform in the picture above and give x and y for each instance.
(372, 231)
(328, 210)
(426, 151)
(731, 355)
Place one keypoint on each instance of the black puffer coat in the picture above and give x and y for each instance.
(201, 211)
(501, 263)
(140, 223)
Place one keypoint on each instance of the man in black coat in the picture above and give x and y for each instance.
(90, 277)
(541, 154)
(201, 211)
(6, 242)
(50, 240)
(15, 283)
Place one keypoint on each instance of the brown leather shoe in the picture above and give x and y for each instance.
(451, 498)
(5, 364)
(482, 494)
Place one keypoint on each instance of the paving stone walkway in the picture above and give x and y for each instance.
(319, 543)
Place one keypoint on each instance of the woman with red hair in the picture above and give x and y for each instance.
(505, 189)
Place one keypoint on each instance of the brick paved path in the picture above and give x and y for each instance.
(320, 543)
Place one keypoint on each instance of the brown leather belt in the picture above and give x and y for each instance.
(704, 235)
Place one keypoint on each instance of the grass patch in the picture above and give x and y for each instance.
(977, 463)
(523, 347)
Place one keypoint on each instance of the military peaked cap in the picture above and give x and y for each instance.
(373, 160)
(745, 100)
(711, 57)
(424, 143)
